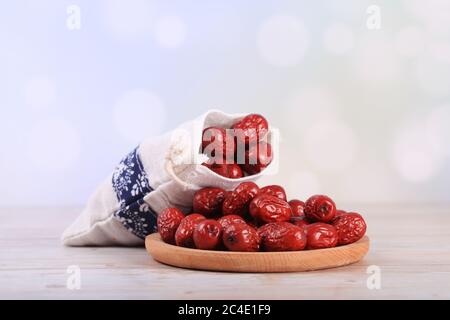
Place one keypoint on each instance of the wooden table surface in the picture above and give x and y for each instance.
(409, 244)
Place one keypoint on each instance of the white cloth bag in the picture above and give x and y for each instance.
(161, 172)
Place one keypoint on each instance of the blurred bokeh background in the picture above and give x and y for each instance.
(362, 103)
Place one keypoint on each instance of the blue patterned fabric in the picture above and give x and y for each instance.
(130, 183)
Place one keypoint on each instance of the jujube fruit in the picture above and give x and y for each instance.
(274, 190)
(168, 221)
(207, 235)
(265, 209)
(282, 236)
(257, 157)
(321, 235)
(185, 231)
(298, 208)
(208, 201)
(230, 170)
(253, 127)
(241, 237)
(237, 201)
(320, 208)
(217, 143)
(350, 227)
(227, 220)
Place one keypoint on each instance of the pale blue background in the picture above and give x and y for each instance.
(386, 94)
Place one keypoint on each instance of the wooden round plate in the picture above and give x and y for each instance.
(288, 261)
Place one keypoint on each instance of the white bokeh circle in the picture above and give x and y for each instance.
(138, 114)
(40, 92)
(127, 19)
(170, 31)
(414, 155)
(410, 41)
(303, 184)
(283, 40)
(54, 144)
(338, 39)
(330, 145)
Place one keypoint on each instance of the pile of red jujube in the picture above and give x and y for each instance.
(222, 146)
(252, 219)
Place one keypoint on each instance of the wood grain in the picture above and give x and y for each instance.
(409, 243)
(306, 260)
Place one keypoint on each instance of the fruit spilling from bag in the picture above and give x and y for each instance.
(240, 150)
(251, 219)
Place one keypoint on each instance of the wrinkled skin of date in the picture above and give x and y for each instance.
(265, 209)
(274, 190)
(298, 208)
(253, 128)
(208, 201)
(282, 236)
(320, 208)
(185, 231)
(168, 221)
(241, 237)
(230, 219)
(217, 143)
(321, 235)
(237, 201)
(231, 170)
(257, 157)
(350, 227)
(207, 235)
